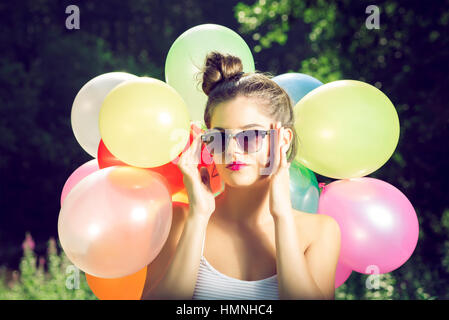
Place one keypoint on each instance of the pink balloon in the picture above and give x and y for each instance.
(77, 175)
(115, 221)
(378, 224)
(342, 274)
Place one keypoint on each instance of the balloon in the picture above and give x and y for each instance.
(206, 157)
(144, 122)
(180, 196)
(341, 274)
(216, 185)
(378, 224)
(297, 85)
(115, 221)
(173, 175)
(170, 171)
(125, 288)
(346, 129)
(187, 57)
(77, 175)
(206, 160)
(106, 158)
(304, 190)
(86, 107)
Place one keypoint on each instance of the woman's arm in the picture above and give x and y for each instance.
(178, 282)
(297, 277)
(322, 256)
(309, 275)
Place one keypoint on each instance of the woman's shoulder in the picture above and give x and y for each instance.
(310, 225)
(312, 220)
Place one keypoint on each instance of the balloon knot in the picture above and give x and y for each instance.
(321, 185)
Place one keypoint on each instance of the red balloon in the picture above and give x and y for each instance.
(206, 159)
(170, 170)
(106, 158)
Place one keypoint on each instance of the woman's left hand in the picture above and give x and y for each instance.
(280, 202)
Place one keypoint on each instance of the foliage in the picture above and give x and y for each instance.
(407, 59)
(43, 66)
(58, 280)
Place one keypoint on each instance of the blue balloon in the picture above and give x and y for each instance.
(297, 85)
(304, 191)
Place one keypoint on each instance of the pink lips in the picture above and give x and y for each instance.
(236, 165)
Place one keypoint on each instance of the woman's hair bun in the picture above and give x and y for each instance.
(220, 67)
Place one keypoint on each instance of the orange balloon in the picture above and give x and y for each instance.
(125, 288)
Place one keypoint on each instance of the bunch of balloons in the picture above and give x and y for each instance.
(116, 210)
(348, 129)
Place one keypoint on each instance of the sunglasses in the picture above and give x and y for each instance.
(216, 141)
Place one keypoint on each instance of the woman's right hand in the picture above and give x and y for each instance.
(197, 184)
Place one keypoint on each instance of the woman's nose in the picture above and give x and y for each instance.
(232, 148)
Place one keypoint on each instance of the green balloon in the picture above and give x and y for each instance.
(187, 56)
(346, 129)
(304, 191)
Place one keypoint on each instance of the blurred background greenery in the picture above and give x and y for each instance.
(43, 65)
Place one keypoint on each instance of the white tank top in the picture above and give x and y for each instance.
(213, 285)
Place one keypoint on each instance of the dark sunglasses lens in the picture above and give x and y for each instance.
(250, 140)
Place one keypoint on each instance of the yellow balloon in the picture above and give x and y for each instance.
(346, 129)
(144, 122)
(180, 196)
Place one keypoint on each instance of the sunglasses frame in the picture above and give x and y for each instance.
(229, 136)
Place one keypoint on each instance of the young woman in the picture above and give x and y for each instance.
(248, 242)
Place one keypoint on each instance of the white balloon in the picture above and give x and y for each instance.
(86, 108)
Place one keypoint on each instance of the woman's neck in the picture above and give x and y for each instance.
(244, 206)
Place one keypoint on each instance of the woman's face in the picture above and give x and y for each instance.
(233, 116)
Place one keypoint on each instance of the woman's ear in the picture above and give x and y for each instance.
(287, 137)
